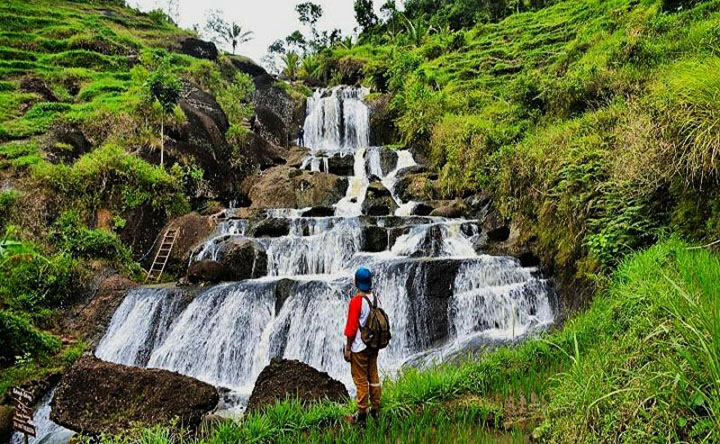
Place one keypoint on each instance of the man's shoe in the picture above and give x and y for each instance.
(358, 418)
(375, 414)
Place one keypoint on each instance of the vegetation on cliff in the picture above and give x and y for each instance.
(80, 140)
(592, 123)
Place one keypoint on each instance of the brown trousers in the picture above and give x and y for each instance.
(364, 371)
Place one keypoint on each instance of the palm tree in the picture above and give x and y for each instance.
(292, 65)
(235, 35)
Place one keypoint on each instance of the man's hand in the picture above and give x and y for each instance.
(347, 354)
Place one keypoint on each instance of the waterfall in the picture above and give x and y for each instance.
(440, 291)
(337, 120)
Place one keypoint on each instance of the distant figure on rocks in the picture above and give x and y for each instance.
(301, 136)
(253, 124)
(367, 331)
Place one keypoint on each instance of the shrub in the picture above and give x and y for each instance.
(72, 236)
(19, 338)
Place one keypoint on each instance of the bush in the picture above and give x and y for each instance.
(19, 338)
(72, 236)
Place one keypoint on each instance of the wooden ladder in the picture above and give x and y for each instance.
(162, 256)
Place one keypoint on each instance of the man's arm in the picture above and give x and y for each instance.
(352, 325)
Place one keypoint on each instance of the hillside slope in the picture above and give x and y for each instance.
(592, 123)
(82, 191)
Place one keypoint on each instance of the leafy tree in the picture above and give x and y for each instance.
(277, 47)
(222, 31)
(291, 60)
(296, 40)
(164, 88)
(365, 14)
(309, 13)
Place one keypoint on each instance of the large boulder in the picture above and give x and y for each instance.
(208, 271)
(89, 319)
(199, 48)
(96, 397)
(342, 165)
(452, 210)
(285, 187)
(417, 187)
(383, 130)
(247, 66)
(378, 201)
(273, 99)
(271, 227)
(283, 379)
(243, 259)
(194, 229)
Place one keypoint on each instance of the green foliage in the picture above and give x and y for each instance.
(72, 236)
(111, 176)
(235, 99)
(164, 87)
(19, 337)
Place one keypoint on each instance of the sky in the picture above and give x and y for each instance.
(268, 19)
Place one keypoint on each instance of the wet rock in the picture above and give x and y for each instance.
(417, 187)
(6, 414)
(528, 259)
(375, 239)
(243, 259)
(273, 98)
(500, 234)
(36, 85)
(194, 230)
(89, 319)
(386, 158)
(422, 209)
(479, 206)
(199, 48)
(341, 165)
(454, 211)
(283, 379)
(96, 397)
(378, 201)
(395, 233)
(296, 155)
(207, 271)
(285, 187)
(383, 130)
(271, 227)
(432, 243)
(319, 212)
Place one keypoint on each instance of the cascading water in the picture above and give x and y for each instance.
(442, 296)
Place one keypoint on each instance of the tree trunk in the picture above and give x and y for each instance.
(162, 140)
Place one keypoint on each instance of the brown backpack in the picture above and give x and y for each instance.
(376, 332)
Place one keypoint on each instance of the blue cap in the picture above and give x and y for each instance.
(363, 279)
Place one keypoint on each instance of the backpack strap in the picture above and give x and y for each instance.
(372, 304)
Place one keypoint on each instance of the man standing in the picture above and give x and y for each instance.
(301, 137)
(362, 359)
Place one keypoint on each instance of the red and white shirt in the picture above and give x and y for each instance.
(357, 317)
